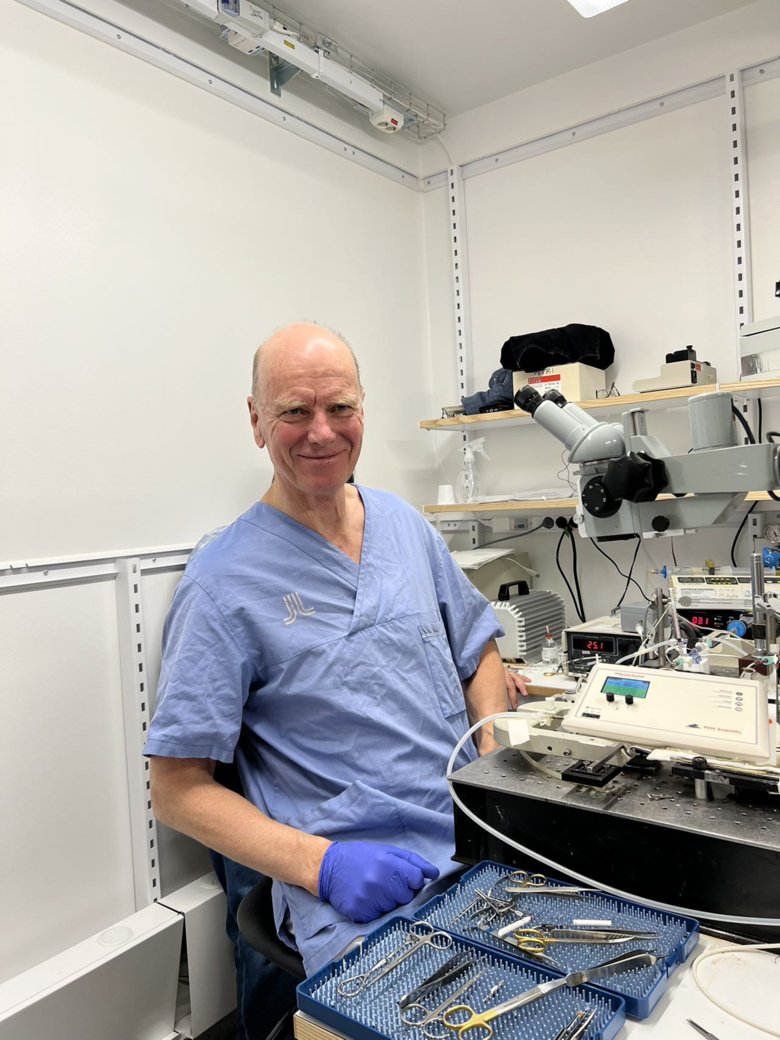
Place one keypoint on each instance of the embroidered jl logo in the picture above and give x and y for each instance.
(296, 608)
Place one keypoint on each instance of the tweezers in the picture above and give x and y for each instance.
(448, 972)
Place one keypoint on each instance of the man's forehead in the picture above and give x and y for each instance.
(320, 389)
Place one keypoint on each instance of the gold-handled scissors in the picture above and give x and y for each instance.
(476, 1024)
(535, 941)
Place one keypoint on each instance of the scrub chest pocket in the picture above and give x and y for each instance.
(443, 675)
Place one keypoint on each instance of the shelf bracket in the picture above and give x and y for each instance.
(280, 72)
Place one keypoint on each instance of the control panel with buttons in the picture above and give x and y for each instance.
(712, 714)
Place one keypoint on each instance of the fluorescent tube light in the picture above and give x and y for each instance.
(587, 8)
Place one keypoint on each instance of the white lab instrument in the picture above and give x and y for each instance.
(677, 374)
(759, 348)
(526, 620)
(602, 639)
(629, 483)
(711, 714)
(710, 592)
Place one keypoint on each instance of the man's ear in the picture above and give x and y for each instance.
(254, 419)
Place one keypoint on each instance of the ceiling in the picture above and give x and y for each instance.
(458, 54)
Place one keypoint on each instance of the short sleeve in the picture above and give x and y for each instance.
(204, 681)
(469, 618)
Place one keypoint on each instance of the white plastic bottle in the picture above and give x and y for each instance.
(551, 652)
(467, 486)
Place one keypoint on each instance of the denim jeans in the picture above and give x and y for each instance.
(264, 993)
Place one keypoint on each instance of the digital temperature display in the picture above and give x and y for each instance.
(593, 644)
(711, 619)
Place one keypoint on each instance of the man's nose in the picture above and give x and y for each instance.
(320, 428)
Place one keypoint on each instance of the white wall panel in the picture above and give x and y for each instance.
(65, 859)
(762, 115)
(611, 232)
(153, 235)
(181, 859)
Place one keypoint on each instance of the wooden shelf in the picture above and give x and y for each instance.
(455, 510)
(508, 508)
(605, 405)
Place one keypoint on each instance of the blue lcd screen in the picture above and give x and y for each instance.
(624, 687)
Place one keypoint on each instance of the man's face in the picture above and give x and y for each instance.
(310, 417)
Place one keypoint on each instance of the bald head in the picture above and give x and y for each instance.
(296, 341)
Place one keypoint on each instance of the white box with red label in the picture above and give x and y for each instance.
(576, 382)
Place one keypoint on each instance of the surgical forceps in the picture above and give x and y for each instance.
(420, 1016)
(485, 903)
(536, 940)
(452, 969)
(477, 1024)
(420, 934)
(578, 1026)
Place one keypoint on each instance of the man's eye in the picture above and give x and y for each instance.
(341, 409)
(293, 413)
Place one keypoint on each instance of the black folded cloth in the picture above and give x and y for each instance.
(533, 351)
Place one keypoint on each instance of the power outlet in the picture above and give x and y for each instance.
(755, 526)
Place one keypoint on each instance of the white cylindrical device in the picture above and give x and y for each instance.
(712, 422)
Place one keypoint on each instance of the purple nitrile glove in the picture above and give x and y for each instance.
(363, 880)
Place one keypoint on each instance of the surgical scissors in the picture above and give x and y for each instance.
(420, 1016)
(477, 1024)
(534, 940)
(420, 934)
(520, 881)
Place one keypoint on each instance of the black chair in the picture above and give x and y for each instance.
(255, 919)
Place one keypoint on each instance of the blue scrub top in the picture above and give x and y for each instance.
(336, 685)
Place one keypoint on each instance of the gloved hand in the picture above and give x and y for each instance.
(363, 880)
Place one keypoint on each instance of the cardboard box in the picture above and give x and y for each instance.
(576, 382)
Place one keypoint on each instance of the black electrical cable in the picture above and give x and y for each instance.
(674, 554)
(573, 540)
(563, 575)
(644, 595)
(744, 423)
(630, 571)
(517, 534)
(739, 532)
(770, 436)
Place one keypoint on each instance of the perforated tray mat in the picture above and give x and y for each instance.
(374, 1014)
(677, 936)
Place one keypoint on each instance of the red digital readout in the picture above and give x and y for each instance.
(596, 644)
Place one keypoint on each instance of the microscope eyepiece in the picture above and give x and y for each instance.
(556, 397)
(528, 399)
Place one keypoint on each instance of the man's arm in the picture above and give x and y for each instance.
(186, 797)
(362, 880)
(486, 694)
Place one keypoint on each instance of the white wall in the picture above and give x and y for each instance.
(153, 235)
(630, 231)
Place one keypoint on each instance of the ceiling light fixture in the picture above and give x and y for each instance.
(257, 27)
(587, 8)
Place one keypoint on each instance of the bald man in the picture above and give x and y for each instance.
(327, 642)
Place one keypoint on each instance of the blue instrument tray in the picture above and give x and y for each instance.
(373, 1014)
(677, 936)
